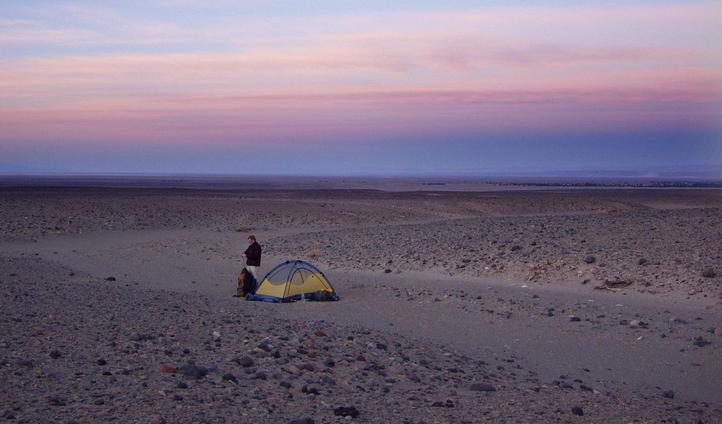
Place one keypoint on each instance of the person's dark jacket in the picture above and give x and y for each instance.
(253, 254)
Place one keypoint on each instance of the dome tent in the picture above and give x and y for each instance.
(294, 280)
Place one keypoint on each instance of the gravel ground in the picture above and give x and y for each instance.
(115, 306)
(89, 351)
(654, 251)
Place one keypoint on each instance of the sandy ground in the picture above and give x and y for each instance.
(116, 306)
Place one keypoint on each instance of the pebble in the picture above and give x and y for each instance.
(346, 411)
(229, 377)
(245, 361)
(192, 370)
(305, 420)
(482, 387)
(701, 342)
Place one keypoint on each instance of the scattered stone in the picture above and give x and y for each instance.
(311, 390)
(590, 259)
(577, 410)
(305, 420)
(56, 401)
(55, 354)
(263, 347)
(192, 370)
(642, 261)
(110, 279)
(614, 284)
(26, 363)
(387, 271)
(182, 385)
(102, 362)
(701, 342)
(245, 361)
(229, 377)
(574, 319)
(669, 394)
(482, 387)
(709, 273)
(439, 404)
(346, 411)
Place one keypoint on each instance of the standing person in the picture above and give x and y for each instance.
(253, 256)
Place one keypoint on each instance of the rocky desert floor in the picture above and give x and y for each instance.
(555, 305)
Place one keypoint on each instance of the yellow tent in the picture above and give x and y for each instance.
(294, 280)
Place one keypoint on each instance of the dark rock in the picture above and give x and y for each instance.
(701, 342)
(285, 384)
(311, 390)
(56, 401)
(439, 404)
(110, 279)
(26, 363)
(306, 420)
(515, 248)
(55, 354)
(328, 381)
(346, 411)
(329, 362)
(577, 410)
(182, 385)
(642, 261)
(245, 361)
(574, 319)
(669, 394)
(381, 346)
(102, 362)
(590, 259)
(709, 273)
(192, 370)
(260, 375)
(229, 377)
(482, 387)
(387, 271)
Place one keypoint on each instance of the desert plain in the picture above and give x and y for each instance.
(458, 303)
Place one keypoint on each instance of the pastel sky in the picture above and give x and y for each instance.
(359, 87)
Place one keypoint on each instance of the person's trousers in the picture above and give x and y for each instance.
(253, 270)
